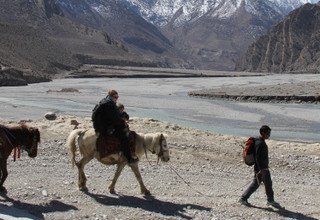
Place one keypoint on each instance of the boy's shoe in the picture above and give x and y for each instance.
(244, 202)
(274, 204)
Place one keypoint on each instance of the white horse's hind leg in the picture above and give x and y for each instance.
(136, 172)
(120, 167)
(81, 175)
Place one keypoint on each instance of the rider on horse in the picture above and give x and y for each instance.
(106, 120)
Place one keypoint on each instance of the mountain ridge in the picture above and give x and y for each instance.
(47, 37)
(290, 46)
(39, 39)
(231, 26)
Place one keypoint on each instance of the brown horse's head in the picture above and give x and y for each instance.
(31, 142)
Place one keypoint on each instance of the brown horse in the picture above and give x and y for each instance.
(16, 138)
(86, 141)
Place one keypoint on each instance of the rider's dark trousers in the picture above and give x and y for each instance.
(123, 136)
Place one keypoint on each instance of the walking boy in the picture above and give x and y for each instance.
(261, 170)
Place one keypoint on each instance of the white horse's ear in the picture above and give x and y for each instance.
(164, 135)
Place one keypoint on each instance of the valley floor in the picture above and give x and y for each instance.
(307, 92)
(210, 179)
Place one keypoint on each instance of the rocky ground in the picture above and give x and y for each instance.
(203, 179)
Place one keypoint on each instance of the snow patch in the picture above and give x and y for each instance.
(160, 12)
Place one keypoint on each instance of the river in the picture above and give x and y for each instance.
(166, 99)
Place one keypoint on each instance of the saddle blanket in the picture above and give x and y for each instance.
(109, 144)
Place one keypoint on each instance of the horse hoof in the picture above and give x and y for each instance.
(83, 189)
(147, 193)
(3, 190)
(112, 191)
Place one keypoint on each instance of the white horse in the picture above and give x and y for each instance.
(86, 139)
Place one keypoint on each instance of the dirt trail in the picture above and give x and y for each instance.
(212, 177)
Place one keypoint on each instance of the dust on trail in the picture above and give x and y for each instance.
(210, 163)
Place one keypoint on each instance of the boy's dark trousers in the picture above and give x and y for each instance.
(123, 136)
(261, 176)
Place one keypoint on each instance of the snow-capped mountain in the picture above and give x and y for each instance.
(123, 24)
(207, 34)
(161, 12)
(213, 33)
(202, 34)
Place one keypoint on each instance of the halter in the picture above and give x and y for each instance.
(161, 148)
(161, 152)
(6, 132)
(15, 148)
(34, 145)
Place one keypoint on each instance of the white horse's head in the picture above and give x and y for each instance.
(160, 147)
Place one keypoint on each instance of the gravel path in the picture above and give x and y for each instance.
(211, 177)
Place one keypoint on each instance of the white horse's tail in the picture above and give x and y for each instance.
(71, 144)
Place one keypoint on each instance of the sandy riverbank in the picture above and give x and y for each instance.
(97, 71)
(302, 92)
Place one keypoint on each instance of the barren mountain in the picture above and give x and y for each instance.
(39, 37)
(213, 33)
(36, 41)
(291, 46)
(140, 37)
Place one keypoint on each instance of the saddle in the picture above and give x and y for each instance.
(108, 144)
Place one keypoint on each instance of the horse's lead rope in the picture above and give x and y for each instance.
(14, 147)
(15, 152)
(188, 184)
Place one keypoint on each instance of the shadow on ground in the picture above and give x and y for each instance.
(149, 203)
(35, 209)
(286, 213)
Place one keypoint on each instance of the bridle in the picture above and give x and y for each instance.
(17, 147)
(33, 146)
(161, 151)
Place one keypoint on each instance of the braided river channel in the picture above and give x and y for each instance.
(166, 99)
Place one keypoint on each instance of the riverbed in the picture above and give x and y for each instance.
(166, 99)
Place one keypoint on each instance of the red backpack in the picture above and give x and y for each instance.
(248, 153)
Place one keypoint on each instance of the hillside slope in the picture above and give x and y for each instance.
(38, 39)
(291, 46)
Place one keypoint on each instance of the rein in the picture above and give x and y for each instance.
(15, 153)
(17, 149)
(6, 131)
(153, 151)
(145, 152)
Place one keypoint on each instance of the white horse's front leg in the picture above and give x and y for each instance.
(81, 175)
(120, 167)
(136, 172)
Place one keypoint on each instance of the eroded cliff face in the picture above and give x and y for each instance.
(293, 45)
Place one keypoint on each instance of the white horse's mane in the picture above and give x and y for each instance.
(152, 138)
